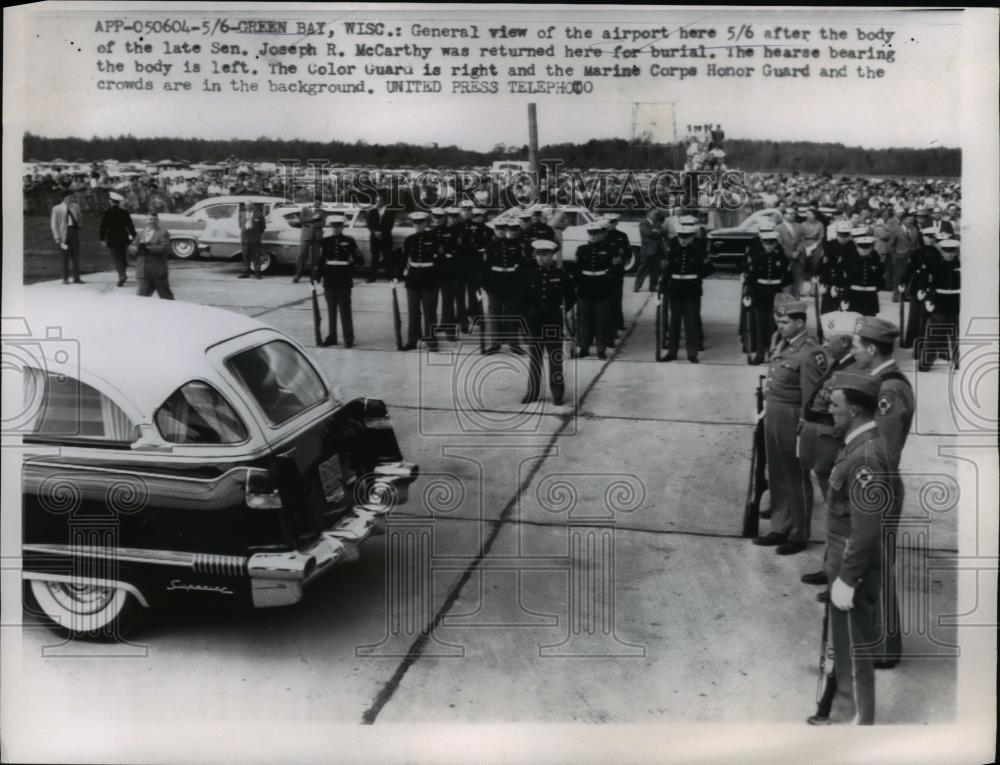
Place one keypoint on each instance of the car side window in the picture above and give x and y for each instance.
(196, 413)
(219, 212)
(71, 410)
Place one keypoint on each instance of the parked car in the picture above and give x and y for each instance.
(728, 245)
(210, 214)
(573, 220)
(211, 466)
(280, 242)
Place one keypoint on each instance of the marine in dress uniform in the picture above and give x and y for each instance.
(686, 264)
(944, 284)
(451, 248)
(503, 280)
(117, 231)
(311, 234)
(620, 247)
(418, 270)
(594, 288)
(873, 353)
(829, 270)
(796, 369)
(914, 282)
(861, 276)
(539, 229)
(335, 269)
(853, 563)
(547, 289)
(819, 439)
(767, 273)
(476, 239)
(152, 247)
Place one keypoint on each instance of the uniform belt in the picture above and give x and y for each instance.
(338, 262)
(861, 288)
(419, 264)
(594, 273)
(502, 270)
(683, 276)
(769, 282)
(947, 292)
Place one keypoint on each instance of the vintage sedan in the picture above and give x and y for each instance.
(210, 214)
(728, 245)
(181, 455)
(281, 240)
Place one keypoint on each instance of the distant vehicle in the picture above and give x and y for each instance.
(505, 166)
(187, 228)
(281, 240)
(215, 469)
(728, 245)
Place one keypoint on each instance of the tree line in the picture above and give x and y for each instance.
(741, 154)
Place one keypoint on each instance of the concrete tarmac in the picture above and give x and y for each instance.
(586, 560)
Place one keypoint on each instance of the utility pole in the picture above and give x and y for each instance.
(532, 140)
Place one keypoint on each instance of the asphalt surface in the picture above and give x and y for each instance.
(584, 562)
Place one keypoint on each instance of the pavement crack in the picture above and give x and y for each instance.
(386, 692)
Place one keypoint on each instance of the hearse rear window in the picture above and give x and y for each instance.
(70, 409)
(280, 379)
(196, 413)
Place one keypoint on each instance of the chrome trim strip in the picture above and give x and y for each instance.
(129, 588)
(128, 472)
(127, 554)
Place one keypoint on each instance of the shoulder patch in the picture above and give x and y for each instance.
(885, 402)
(819, 359)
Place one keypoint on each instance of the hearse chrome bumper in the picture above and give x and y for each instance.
(278, 578)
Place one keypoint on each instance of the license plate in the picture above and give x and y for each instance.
(331, 481)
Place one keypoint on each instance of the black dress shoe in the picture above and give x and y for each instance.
(823, 597)
(328, 342)
(816, 577)
(819, 720)
(408, 347)
(491, 350)
(121, 282)
(790, 548)
(602, 355)
(78, 281)
(670, 357)
(528, 398)
(694, 360)
(611, 344)
(771, 540)
(370, 280)
(348, 343)
(256, 276)
(244, 276)
(296, 279)
(885, 663)
(582, 354)
(65, 281)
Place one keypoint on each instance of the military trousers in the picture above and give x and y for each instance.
(790, 484)
(421, 314)
(338, 300)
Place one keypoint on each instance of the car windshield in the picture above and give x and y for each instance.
(280, 379)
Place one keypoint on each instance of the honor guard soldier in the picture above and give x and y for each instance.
(861, 277)
(503, 280)
(539, 229)
(914, 282)
(819, 438)
(617, 241)
(418, 270)
(451, 247)
(873, 352)
(767, 274)
(944, 283)
(522, 232)
(859, 496)
(335, 269)
(681, 284)
(477, 239)
(797, 367)
(829, 270)
(547, 289)
(594, 288)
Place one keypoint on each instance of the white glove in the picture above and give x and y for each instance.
(822, 289)
(844, 305)
(901, 288)
(929, 306)
(758, 416)
(63, 246)
(815, 280)
(921, 294)
(841, 595)
(834, 292)
(395, 282)
(746, 302)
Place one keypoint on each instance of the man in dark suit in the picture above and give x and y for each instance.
(116, 231)
(252, 225)
(651, 250)
(380, 221)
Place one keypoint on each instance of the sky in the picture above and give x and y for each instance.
(917, 104)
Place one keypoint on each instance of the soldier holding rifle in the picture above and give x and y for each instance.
(767, 273)
(418, 270)
(547, 289)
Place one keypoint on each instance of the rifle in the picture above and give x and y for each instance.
(819, 324)
(758, 471)
(481, 314)
(572, 322)
(659, 327)
(902, 312)
(317, 334)
(826, 686)
(397, 322)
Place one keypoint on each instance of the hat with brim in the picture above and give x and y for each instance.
(768, 235)
(419, 217)
(114, 196)
(876, 329)
(543, 245)
(948, 244)
(862, 383)
(839, 322)
(336, 220)
(864, 241)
